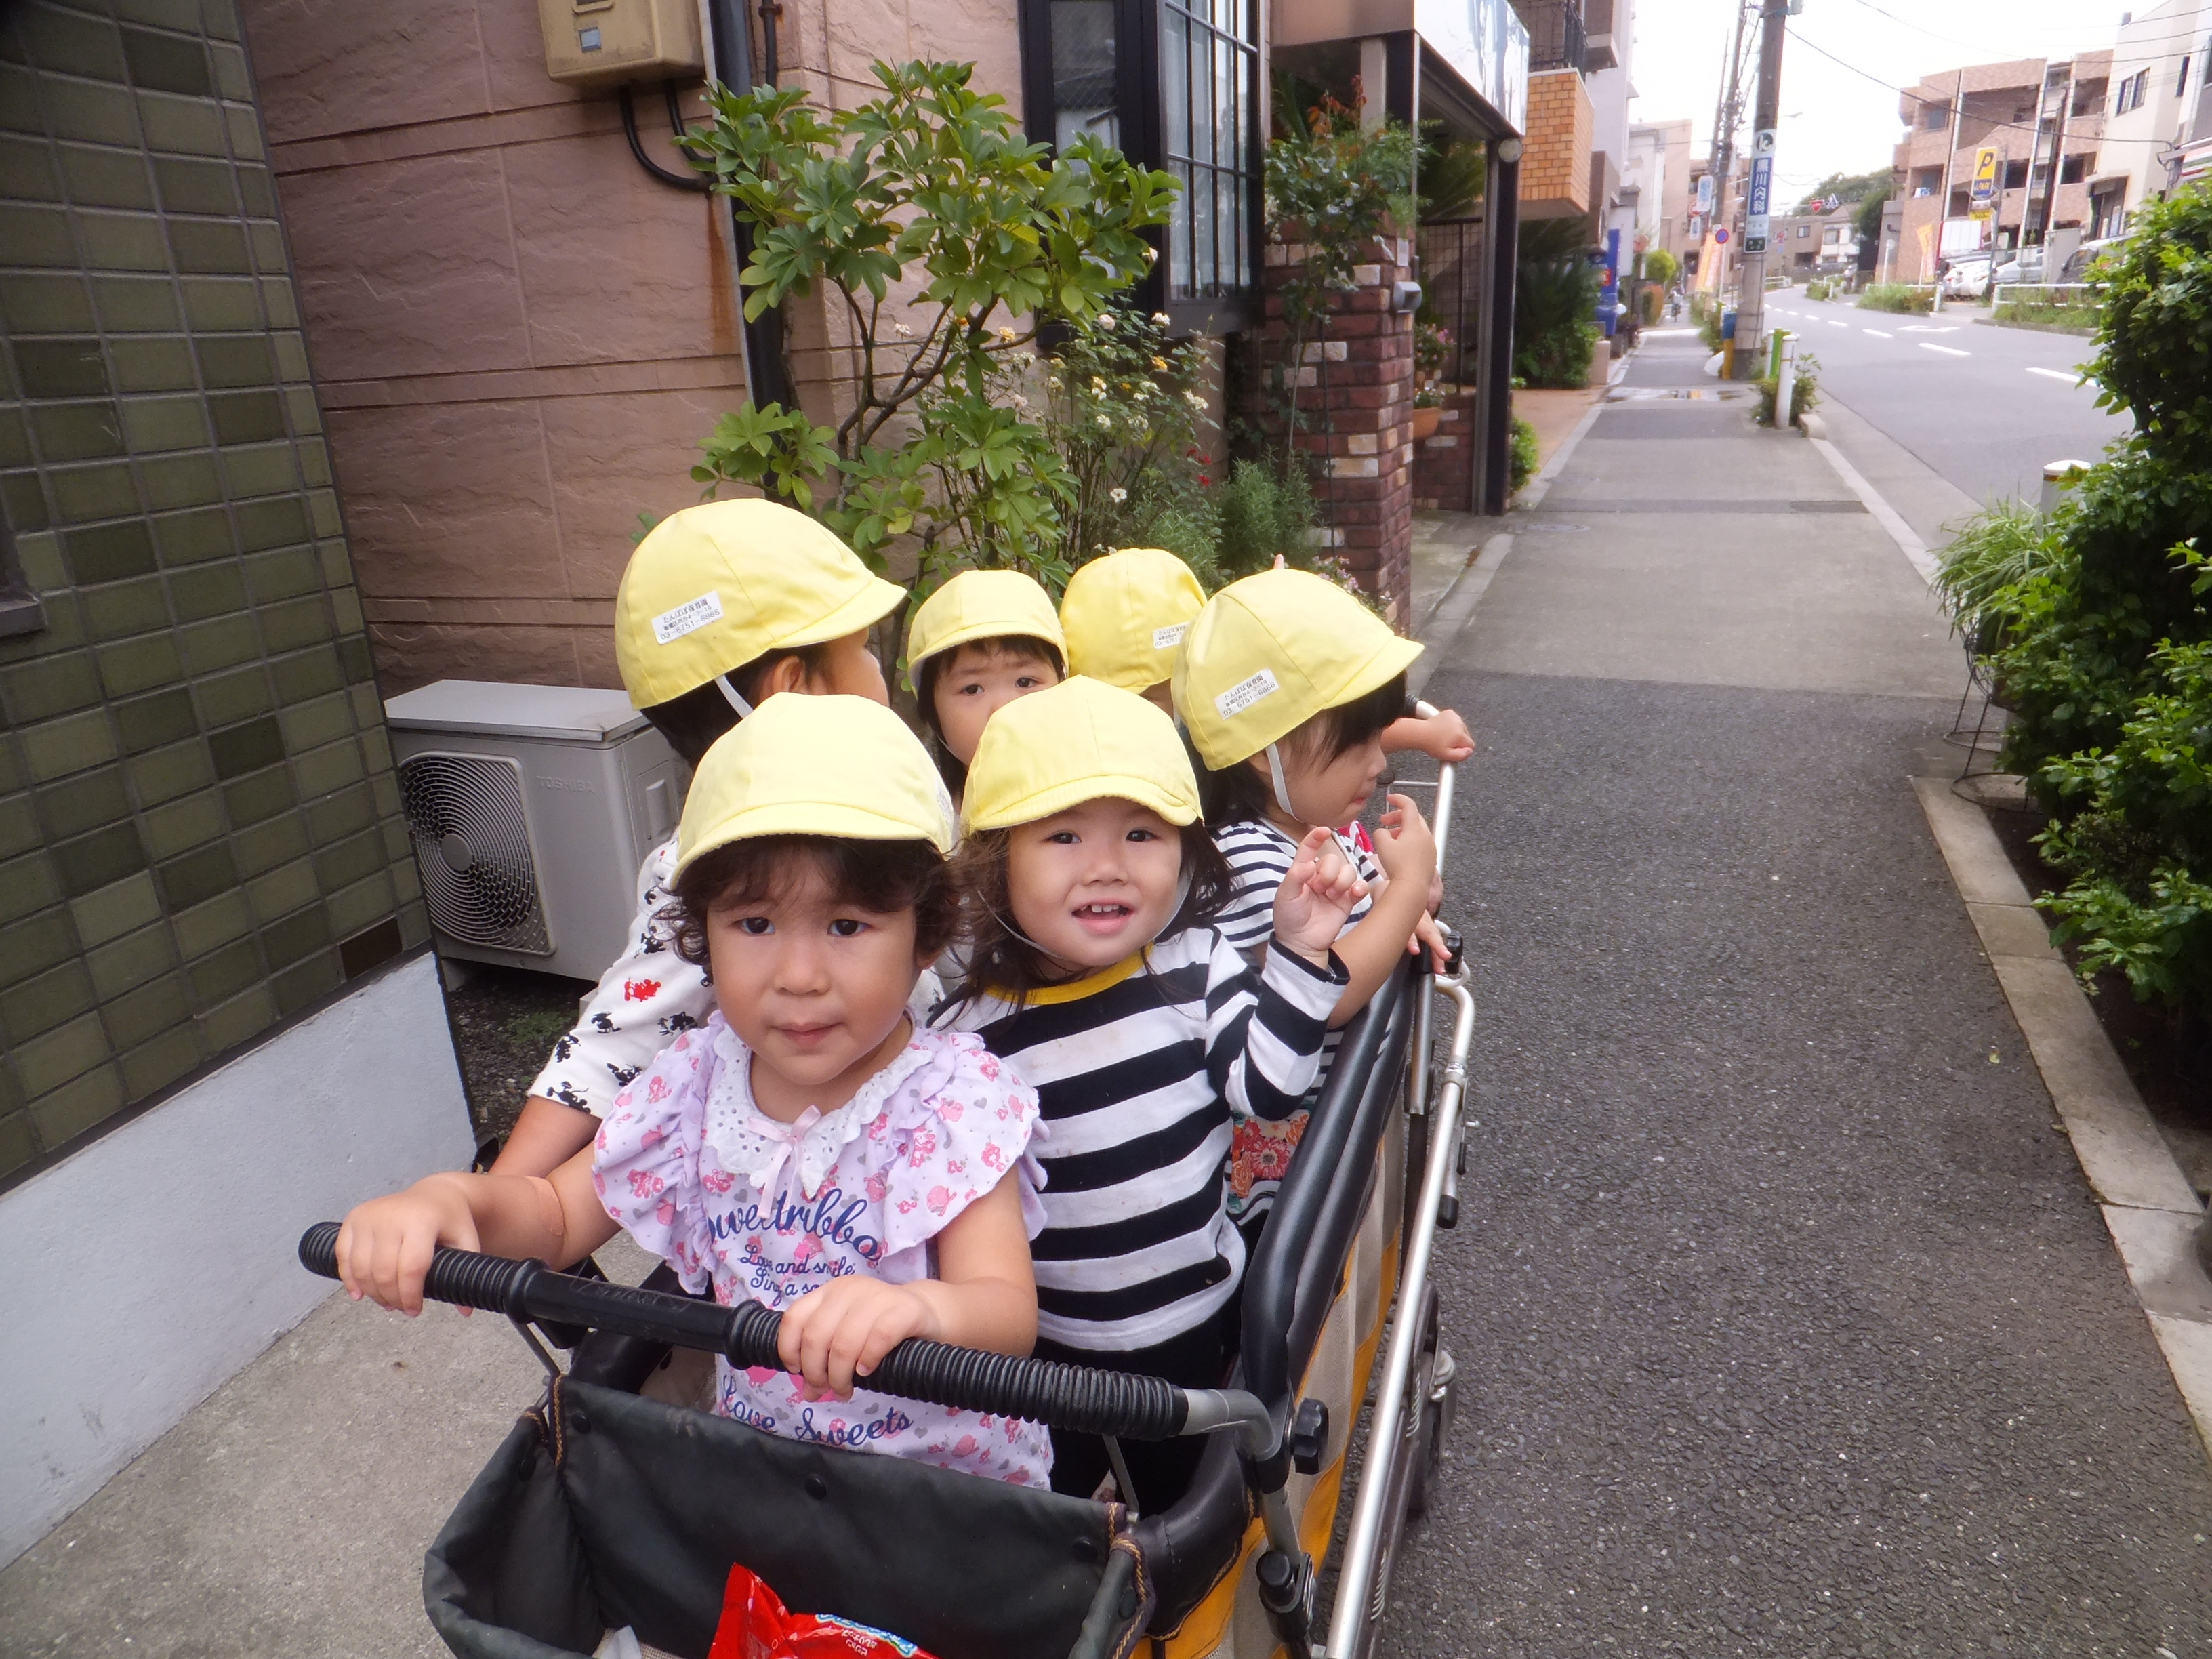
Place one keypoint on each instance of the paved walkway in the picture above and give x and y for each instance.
(1786, 1323)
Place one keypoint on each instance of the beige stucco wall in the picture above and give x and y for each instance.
(520, 336)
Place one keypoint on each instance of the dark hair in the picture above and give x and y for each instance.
(693, 720)
(1017, 646)
(878, 876)
(1238, 793)
(999, 960)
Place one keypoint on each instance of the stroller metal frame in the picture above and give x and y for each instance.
(1340, 1233)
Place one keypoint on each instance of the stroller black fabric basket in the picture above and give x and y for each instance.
(605, 1509)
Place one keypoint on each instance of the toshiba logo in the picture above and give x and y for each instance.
(564, 783)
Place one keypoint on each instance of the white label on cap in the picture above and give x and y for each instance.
(1163, 638)
(1242, 694)
(688, 618)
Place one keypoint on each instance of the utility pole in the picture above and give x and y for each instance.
(1751, 295)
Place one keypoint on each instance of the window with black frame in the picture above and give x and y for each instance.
(1175, 84)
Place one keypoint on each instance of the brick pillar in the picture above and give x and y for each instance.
(1355, 394)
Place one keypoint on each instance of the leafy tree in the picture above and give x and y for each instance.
(1846, 187)
(1554, 303)
(923, 203)
(1867, 222)
(1660, 266)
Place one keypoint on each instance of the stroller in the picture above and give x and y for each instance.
(604, 1508)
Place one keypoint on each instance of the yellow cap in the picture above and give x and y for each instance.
(1126, 613)
(846, 767)
(1269, 652)
(1080, 740)
(981, 605)
(713, 586)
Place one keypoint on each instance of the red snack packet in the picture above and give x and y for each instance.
(755, 1624)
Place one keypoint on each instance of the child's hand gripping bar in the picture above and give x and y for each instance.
(1072, 1397)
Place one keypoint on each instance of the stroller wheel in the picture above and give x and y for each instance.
(1439, 1405)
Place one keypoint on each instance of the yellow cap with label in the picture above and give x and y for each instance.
(1271, 651)
(1126, 613)
(1077, 741)
(715, 586)
(843, 767)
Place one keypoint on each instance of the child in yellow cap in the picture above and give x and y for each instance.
(1125, 614)
(722, 607)
(1096, 969)
(807, 1147)
(974, 645)
(1287, 684)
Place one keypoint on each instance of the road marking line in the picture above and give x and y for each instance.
(1878, 335)
(1948, 351)
(2061, 375)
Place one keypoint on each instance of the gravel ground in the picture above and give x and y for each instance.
(1785, 1322)
(506, 1021)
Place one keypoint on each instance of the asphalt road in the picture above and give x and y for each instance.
(1785, 1323)
(1985, 407)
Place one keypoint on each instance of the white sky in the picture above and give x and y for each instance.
(1833, 120)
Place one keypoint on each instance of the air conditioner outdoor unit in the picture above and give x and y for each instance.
(530, 808)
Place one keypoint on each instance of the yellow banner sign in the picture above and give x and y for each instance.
(1982, 190)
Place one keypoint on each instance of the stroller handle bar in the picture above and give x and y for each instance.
(1074, 1397)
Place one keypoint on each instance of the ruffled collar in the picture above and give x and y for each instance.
(752, 1144)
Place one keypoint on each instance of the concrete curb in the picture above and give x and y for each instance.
(2148, 1205)
(1907, 539)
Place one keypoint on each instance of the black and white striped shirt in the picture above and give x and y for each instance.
(1260, 855)
(1139, 1070)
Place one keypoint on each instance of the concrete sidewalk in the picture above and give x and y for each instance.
(1786, 1321)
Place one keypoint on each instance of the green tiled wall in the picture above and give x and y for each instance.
(199, 828)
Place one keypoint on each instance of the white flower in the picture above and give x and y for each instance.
(1160, 317)
(1007, 335)
(1104, 425)
(1106, 320)
(903, 331)
(1020, 402)
(1098, 385)
(1194, 401)
(1117, 495)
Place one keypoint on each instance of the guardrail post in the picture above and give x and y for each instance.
(2059, 477)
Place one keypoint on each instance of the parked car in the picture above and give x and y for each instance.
(2077, 269)
(1967, 278)
(2025, 266)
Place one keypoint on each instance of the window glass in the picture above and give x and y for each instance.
(1208, 61)
(1083, 64)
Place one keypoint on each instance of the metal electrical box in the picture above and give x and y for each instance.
(530, 808)
(603, 43)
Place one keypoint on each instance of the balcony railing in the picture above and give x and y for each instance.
(1556, 37)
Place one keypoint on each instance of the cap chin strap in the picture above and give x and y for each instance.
(1282, 786)
(731, 695)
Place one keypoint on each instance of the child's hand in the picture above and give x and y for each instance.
(840, 1331)
(1316, 898)
(1404, 846)
(1429, 936)
(385, 1245)
(1443, 736)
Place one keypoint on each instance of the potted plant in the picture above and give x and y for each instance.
(1428, 410)
(1431, 352)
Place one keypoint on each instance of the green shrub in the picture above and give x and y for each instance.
(2105, 659)
(1554, 300)
(1901, 297)
(1989, 557)
(1804, 391)
(1707, 311)
(2050, 307)
(1817, 289)
(1527, 455)
(2138, 838)
(1260, 511)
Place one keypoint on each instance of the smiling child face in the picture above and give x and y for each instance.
(1095, 884)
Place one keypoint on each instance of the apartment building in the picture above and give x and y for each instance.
(2045, 119)
(1658, 170)
(1579, 52)
(2158, 129)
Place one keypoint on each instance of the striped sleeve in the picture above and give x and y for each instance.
(1259, 856)
(1264, 1030)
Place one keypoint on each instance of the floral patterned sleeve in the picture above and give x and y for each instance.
(644, 1163)
(648, 996)
(975, 1125)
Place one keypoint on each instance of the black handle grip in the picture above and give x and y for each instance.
(1072, 1397)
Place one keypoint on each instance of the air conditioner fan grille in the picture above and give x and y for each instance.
(472, 845)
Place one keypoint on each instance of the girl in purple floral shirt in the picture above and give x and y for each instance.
(808, 1147)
